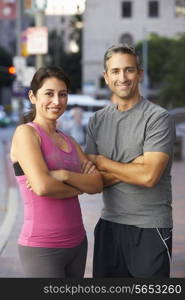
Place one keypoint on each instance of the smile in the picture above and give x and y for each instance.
(123, 86)
(54, 109)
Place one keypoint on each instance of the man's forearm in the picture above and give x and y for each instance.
(108, 179)
(145, 171)
(128, 172)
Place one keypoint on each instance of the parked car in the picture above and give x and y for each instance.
(4, 118)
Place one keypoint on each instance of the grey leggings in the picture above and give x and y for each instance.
(54, 262)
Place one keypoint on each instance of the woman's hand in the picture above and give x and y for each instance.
(88, 167)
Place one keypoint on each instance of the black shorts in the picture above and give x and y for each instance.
(131, 252)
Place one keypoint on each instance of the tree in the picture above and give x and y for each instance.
(172, 93)
(166, 69)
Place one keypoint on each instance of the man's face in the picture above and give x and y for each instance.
(123, 76)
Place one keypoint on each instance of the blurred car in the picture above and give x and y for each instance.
(4, 118)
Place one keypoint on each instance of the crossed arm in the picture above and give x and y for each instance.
(26, 150)
(145, 170)
(89, 181)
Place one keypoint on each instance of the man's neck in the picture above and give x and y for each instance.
(126, 104)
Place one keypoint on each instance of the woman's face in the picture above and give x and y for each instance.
(51, 99)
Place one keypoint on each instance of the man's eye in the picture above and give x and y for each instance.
(131, 70)
(114, 71)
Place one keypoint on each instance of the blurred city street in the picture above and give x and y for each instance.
(11, 216)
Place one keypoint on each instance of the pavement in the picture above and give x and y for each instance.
(11, 216)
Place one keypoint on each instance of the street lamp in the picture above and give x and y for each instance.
(39, 6)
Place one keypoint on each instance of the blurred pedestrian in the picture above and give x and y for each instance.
(51, 171)
(131, 143)
(77, 129)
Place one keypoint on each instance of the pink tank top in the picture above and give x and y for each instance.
(51, 222)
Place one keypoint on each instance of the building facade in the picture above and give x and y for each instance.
(107, 22)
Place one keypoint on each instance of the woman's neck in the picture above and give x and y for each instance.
(48, 125)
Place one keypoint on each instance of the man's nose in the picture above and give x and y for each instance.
(122, 75)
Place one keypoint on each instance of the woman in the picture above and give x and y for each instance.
(51, 171)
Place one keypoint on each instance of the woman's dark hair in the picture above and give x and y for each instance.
(37, 82)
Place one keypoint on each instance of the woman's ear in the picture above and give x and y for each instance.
(31, 97)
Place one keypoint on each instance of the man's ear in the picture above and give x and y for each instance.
(141, 75)
(31, 97)
(105, 76)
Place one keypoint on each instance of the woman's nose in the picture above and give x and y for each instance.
(56, 99)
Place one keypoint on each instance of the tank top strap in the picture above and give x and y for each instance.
(45, 139)
(37, 128)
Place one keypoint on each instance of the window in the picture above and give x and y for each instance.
(180, 8)
(126, 9)
(63, 20)
(153, 9)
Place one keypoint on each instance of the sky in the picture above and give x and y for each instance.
(62, 7)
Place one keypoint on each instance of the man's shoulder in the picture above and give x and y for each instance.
(103, 111)
(152, 108)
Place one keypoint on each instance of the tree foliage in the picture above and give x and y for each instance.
(166, 69)
(173, 90)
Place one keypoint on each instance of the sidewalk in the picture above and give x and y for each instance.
(178, 186)
(91, 208)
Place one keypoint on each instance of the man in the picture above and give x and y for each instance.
(131, 143)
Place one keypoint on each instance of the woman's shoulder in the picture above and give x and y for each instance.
(24, 130)
(23, 134)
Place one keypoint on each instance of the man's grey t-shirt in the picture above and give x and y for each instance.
(122, 136)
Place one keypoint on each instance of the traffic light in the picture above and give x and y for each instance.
(7, 75)
(11, 70)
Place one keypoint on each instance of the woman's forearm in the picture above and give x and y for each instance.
(52, 187)
(86, 183)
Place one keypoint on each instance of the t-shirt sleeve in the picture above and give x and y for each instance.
(160, 135)
(91, 147)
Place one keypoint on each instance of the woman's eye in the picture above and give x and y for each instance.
(64, 95)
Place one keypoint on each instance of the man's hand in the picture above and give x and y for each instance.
(138, 160)
(28, 185)
(92, 158)
(99, 160)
